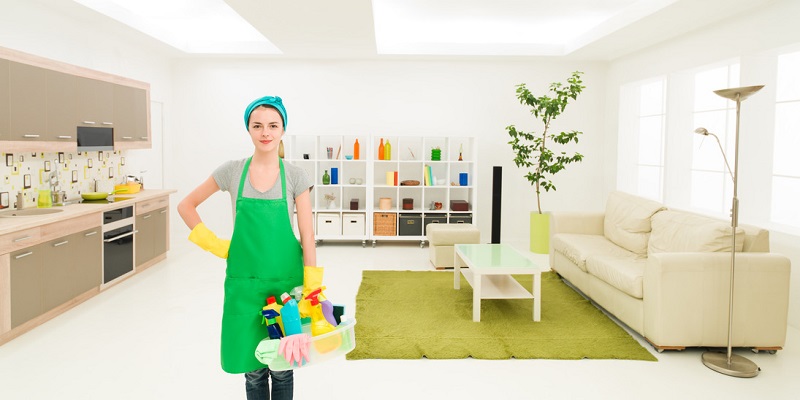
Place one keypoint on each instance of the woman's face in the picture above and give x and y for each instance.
(266, 128)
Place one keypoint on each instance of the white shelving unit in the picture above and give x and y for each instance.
(310, 153)
(365, 180)
(410, 156)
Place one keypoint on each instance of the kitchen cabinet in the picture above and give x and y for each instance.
(61, 107)
(88, 260)
(130, 117)
(95, 102)
(26, 284)
(27, 91)
(42, 102)
(151, 238)
(4, 102)
(50, 274)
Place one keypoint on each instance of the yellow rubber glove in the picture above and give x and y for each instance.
(312, 280)
(208, 241)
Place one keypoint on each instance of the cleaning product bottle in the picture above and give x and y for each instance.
(380, 150)
(320, 326)
(273, 305)
(356, 150)
(387, 150)
(273, 329)
(327, 311)
(290, 316)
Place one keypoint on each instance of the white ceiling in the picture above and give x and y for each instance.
(586, 29)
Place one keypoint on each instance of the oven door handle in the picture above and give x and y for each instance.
(120, 236)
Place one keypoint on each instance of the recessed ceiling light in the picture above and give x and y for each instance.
(500, 27)
(193, 26)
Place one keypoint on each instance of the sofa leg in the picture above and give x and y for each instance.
(661, 349)
(770, 350)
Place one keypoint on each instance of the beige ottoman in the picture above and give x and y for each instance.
(442, 237)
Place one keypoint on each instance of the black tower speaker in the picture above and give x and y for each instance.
(497, 195)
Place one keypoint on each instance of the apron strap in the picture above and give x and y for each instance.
(244, 177)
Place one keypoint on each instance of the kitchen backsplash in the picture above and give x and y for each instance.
(76, 173)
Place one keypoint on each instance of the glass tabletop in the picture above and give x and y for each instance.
(494, 256)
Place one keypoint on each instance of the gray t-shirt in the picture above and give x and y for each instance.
(228, 174)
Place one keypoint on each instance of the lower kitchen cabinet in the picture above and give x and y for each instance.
(26, 284)
(50, 274)
(151, 235)
(88, 261)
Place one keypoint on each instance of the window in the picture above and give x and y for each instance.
(786, 166)
(650, 165)
(640, 166)
(711, 182)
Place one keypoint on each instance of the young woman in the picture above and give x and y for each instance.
(264, 257)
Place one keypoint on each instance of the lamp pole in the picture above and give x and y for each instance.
(732, 364)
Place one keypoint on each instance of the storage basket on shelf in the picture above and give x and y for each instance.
(384, 224)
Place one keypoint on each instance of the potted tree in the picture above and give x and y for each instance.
(534, 153)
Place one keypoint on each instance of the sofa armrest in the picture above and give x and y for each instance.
(574, 222)
(686, 299)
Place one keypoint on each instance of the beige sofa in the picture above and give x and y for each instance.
(666, 274)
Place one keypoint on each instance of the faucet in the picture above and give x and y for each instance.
(20, 200)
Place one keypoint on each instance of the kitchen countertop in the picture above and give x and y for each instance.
(13, 224)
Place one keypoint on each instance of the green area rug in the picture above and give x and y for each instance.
(415, 314)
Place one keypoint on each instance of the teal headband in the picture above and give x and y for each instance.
(271, 101)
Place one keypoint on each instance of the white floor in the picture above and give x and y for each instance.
(155, 336)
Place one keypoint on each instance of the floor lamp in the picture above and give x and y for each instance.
(732, 364)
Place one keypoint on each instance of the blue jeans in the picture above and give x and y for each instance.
(257, 385)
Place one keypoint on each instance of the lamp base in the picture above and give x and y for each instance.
(739, 366)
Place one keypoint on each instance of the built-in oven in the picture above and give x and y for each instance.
(118, 235)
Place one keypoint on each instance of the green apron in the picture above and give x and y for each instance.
(265, 259)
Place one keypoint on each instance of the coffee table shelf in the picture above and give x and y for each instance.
(489, 274)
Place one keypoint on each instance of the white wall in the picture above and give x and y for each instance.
(753, 38)
(383, 98)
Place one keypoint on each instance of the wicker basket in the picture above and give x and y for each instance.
(384, 224)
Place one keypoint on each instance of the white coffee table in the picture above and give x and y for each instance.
(490, 270)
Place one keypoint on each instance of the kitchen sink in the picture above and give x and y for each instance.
(30, 212)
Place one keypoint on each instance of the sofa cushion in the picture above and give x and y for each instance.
(577, 248)
(622, 273)
(627, 221)
(681, 231)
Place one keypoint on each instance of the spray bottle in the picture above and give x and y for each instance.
(273, 305)
(320, 326)
(273, 329)
(290, 315)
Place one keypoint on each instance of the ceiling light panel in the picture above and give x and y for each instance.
(193, 26)
(479, 27)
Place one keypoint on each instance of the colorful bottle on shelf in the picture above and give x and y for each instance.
(387, 150)
(273, 305)
(290, 316)
(326, 179)
(356, 150)
(380, 150)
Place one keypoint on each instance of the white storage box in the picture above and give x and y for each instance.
(353, 224)
(329, 224)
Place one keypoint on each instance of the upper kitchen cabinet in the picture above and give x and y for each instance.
(4, 135)
(131, 130)
(95, 100)
(27, 93)
(43, 102)
(61, 108)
